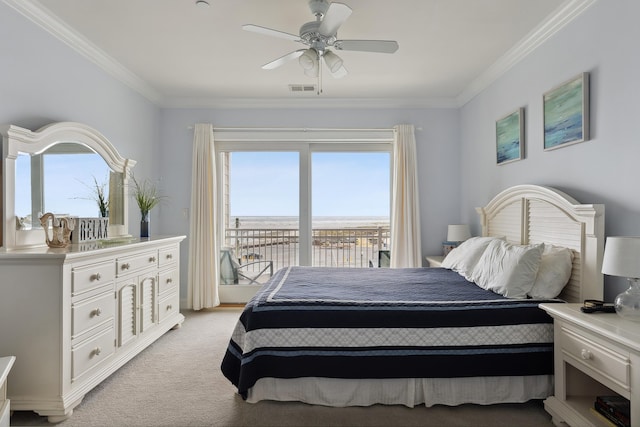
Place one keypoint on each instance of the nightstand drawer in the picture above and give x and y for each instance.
(590, 356)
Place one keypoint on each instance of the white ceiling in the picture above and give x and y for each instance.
(178, 54)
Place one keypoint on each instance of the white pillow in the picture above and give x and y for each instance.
(554, 272)
(464, 258)
(507, 269)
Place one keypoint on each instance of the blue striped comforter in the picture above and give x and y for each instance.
(385, 323)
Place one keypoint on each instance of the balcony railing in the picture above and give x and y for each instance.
(332, 247)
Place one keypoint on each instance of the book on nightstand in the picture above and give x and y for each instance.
(616, 409)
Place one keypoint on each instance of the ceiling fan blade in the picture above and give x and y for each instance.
(270, 32)
(379, 46)
(283, 59)
(333, 19)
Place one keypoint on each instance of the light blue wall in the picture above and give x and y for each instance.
(604, 42)
(42, 80)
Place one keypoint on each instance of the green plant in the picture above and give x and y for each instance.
(146, 195)
(99, 195)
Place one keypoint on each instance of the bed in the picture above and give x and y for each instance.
(345, 337)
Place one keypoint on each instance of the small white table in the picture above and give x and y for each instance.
(594, 355)
(435, 260)
(5, 366)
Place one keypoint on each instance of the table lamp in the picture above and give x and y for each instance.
(622, 258)
(456, 234)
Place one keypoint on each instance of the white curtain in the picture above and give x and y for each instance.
(406, 249)
(203, 251)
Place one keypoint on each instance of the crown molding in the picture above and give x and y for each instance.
(309, 103)
(539, 35)
(41, 16)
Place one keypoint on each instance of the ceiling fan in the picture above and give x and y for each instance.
(319, 36)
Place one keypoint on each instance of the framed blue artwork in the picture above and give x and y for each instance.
(510, 137)
(566, 113)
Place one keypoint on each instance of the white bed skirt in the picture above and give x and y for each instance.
(408, 392)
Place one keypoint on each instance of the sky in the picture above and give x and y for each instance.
(343, 184)
(68, 184)
(262, 184)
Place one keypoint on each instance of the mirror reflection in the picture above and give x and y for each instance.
(66, 179)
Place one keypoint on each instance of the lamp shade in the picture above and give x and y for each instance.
(333, 61)
(458, 233)
(309, 59)
(622, 257)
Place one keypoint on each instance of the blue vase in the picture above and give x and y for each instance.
(144, 225)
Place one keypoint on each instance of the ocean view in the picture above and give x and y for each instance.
(291, 222)
(337, 241)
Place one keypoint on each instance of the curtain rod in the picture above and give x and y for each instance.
(300, 129)
(220, 129)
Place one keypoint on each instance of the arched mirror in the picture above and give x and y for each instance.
(66, 168)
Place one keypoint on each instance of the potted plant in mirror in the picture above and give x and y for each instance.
(99, 194)
(147, 197)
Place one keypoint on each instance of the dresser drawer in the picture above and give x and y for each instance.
(169, 306)
(87, 277)
(168, 281)
(91, 312)
(89, 354)
(169, 255)
(591, 356)
(126, 265)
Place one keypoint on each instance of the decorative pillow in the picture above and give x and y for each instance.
(507, 269)
(554, 272)
(464, 258)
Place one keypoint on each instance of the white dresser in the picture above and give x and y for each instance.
(75, 315)
(5, 366)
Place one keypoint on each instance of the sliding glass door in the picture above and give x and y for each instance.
(285, 202)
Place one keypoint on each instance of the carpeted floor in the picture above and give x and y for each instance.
(177, 382)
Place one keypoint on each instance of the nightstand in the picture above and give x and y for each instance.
(5, 366)
(435, 260)
(594, 355)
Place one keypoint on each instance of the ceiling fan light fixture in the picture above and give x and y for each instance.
(309, 59)
(312, 72)
(333, 61)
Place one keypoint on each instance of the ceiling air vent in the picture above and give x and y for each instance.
(302, 88)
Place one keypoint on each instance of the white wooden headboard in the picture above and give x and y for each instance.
(530, 214)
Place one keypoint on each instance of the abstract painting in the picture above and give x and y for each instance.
(510, 137)
(566, 113)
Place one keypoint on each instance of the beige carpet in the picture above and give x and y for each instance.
(177, 382)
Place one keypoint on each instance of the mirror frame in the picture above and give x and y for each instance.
(19, 140)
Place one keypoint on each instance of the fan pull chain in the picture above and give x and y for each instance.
(319, 74)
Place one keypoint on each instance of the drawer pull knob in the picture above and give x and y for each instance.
(169, 280)
(152, 259)
(96, 312)
(96, 351)
(169, 307)
(125, 266)
(97, 277)
(586, 354)
(169, 256)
